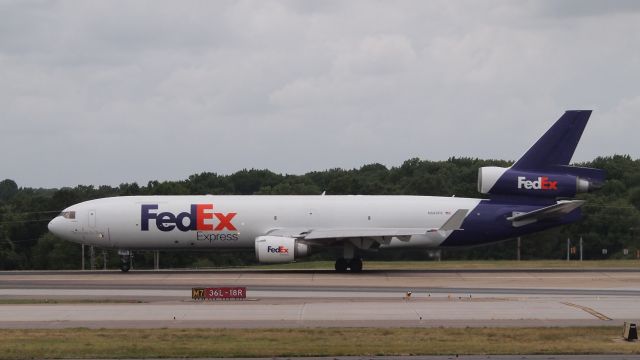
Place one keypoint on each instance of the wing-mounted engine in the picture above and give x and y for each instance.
(553, 182)
(280, 249)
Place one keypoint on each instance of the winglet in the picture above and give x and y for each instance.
(455, 221)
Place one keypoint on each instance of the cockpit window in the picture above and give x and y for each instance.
(68, 214)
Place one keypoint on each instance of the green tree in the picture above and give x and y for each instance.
(8, 189)
(52, 253)
(611, 215)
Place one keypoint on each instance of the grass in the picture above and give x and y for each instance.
(201, 343)
(459, 265)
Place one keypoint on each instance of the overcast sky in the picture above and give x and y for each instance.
(106, 92)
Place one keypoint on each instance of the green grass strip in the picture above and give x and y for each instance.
(201, 343)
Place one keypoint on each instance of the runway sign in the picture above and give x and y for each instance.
(219, 293)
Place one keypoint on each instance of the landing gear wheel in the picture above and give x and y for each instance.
(355, 265)
(341, 265)
(125, 263)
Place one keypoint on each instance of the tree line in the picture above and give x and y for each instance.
(611, 216)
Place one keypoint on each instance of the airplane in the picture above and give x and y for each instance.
(534, 194)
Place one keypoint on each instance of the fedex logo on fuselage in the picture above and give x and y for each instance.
(543, 183)
(199, 218)
(277, 250)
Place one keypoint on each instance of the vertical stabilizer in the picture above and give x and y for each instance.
(544, 170)
(557, 145)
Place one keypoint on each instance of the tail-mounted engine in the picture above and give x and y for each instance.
(280, 249)
(556, 182)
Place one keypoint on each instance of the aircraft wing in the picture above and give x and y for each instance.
(342, 233)
(364, 232)
(383, 234)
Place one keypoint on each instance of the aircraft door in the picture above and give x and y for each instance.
(92, 219)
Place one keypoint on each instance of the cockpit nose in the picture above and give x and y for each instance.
(60, 225)
(55, 226)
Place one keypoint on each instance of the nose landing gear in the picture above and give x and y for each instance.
(125, 260)
(125, 263)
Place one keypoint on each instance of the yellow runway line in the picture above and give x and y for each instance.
(589, 310)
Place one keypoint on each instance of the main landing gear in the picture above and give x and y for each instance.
(354, 265)
(349, 260)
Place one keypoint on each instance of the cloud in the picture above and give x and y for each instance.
(579, 8)
(110, 92)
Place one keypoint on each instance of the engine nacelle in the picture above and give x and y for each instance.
(280, 249)
(506, 181)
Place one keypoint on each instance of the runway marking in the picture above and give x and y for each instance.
(301, 312)
(589, 310)
(418, 315)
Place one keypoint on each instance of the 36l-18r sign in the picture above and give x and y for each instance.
(219, 293)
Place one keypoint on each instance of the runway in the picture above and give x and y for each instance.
(146, 299)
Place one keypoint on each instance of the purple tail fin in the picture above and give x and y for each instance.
(544, 171)
(557, 145)
(554, 150)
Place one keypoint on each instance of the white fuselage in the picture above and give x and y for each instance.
(233, 222)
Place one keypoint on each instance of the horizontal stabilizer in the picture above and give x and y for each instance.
(558, 210)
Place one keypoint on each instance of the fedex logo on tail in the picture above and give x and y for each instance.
(201, 218)
(542, 183)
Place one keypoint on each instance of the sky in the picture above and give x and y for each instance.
(108, 92)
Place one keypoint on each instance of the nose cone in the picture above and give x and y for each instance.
(55, 226)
